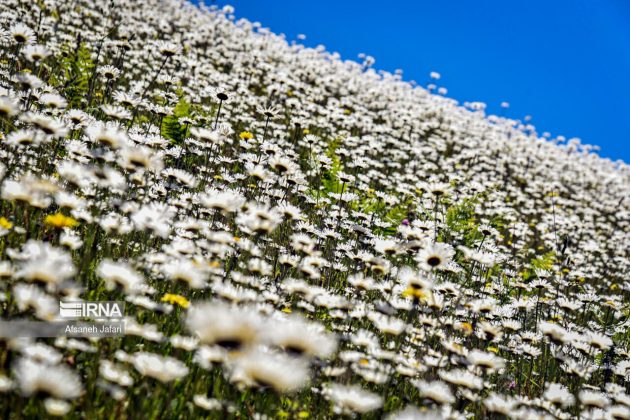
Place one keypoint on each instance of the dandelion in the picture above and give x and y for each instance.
(175, 299)
(59, 220)
(5, 224)
(246, 135)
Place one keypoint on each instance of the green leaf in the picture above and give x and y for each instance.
(77, 66)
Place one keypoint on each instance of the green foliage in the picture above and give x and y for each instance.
(329, 178)
(394, 215)
(545, 261)
(624, 335)
(367, 203)
(171, 127)
(76, 66)
(460, 217)
(542, 262)
(393, 403)
(500, 222)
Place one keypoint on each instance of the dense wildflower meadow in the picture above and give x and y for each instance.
(295, 236)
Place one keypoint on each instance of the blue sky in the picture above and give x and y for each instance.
(564, 62)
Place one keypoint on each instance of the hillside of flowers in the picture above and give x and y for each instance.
(294, 236)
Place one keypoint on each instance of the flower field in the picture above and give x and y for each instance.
(294, 235)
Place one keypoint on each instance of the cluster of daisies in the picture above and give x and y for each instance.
(294, 235)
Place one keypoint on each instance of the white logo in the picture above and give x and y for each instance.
(90, 309)
(71, 309)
